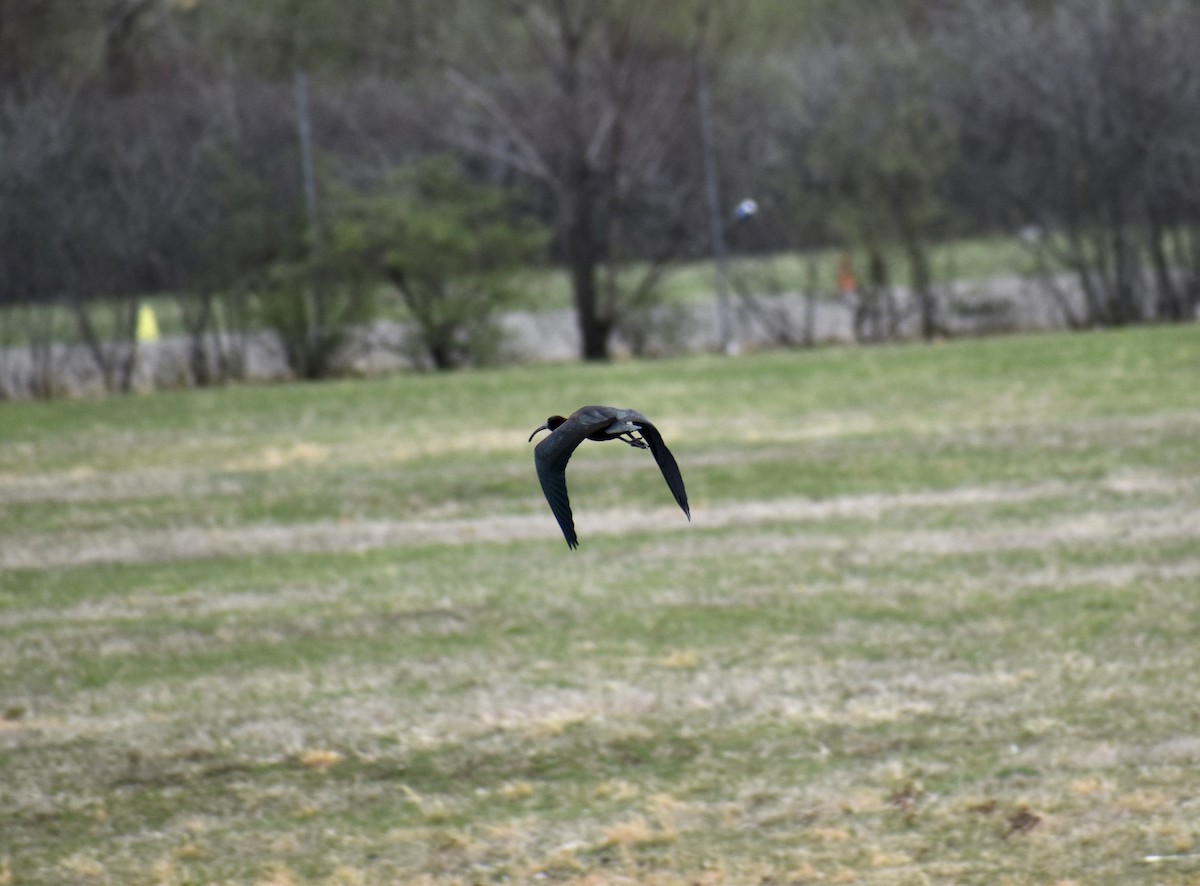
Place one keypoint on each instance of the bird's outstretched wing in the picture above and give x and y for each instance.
(666, 463)
(554, 486)
(550, 459)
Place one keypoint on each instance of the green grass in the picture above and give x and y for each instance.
(934, 620)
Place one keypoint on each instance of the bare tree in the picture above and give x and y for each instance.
(1083, 122)
(585, 99)
(872, 153)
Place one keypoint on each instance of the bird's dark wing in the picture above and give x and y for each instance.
(550, 458)
(666, 463)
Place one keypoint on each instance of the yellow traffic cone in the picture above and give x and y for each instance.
(147, 324)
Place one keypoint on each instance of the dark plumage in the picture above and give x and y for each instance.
(599, 423)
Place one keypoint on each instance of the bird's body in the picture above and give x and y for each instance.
(598, 423)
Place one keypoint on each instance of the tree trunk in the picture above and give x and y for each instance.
(922, 287)
(809, 334)
(578, 196)
(875, 315)
(1095, 305)
(582, 255)
(196, 309)
(1125, 303)
(1169, 303)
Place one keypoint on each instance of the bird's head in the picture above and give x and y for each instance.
(551, 423)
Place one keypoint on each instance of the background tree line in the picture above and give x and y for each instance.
(285, 164)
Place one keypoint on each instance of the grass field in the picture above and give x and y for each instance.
(936, 620)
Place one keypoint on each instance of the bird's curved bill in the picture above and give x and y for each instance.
(544, 427)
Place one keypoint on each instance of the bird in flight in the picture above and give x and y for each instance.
(600, 423)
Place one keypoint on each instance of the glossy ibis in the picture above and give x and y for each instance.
(596, 423)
